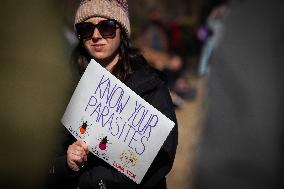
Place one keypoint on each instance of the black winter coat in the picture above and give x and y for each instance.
(147, 83)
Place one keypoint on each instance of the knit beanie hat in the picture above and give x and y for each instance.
(111, 9)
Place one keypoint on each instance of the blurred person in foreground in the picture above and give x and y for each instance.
(103, 30)
(242, 142)
(211, 33)
(34, 83)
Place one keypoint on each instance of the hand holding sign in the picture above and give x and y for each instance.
(118, 125)
(77, 155)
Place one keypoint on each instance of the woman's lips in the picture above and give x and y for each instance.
(98, 47)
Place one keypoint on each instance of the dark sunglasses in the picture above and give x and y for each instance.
(107, 29)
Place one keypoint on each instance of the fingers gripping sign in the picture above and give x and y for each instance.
(77, 155)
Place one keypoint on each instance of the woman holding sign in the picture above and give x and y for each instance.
(103, 30)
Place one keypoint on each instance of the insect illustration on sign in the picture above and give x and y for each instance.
(128, 158)
(103, 143)
(83, 127)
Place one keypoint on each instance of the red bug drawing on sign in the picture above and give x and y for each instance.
(104, 143)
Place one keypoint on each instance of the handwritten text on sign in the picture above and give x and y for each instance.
(119, 126)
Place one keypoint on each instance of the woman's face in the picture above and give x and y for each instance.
(103, 50)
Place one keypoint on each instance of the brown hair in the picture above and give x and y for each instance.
(81, 58)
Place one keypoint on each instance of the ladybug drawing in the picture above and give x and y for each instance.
(103, 143)
(83, 127)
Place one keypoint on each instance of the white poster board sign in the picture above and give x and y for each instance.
(118, 125)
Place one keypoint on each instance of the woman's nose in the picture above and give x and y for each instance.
(96, 34)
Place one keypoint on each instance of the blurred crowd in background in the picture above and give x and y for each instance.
(176, 37)
(234, 47)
